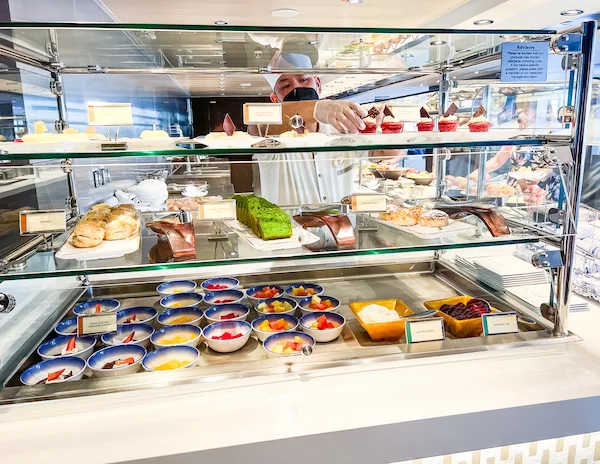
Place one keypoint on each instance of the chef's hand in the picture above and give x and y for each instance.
(341, 114)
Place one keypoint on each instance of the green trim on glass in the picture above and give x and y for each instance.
(267, 29)
(223, 262)
(247, 151)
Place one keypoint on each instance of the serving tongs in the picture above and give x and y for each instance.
(492, 219)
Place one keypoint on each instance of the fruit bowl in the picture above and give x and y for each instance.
(393, 174)
(420, 180)
(171, 358)
(220, 283)
(90, 307)
(221, 297)
(181, 300)
(227, 312)
(291, 324)
(179, 316)
(232, 335)
(123, 335)
(287, 305)
(317, 289)
(67, 327)
(122, 359)
(251, 293)
(53, 348)
(325, 334)
(176, 286)
(137, 315)
(306, 309)
(276, 341)
(176, 335)
(38, 373)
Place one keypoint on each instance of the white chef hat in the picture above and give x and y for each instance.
(289, 61)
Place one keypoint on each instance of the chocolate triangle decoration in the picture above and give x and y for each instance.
(228, 125)
(373, 113)
(387, 111)
(425, 113)
(451, 110)
(481, 111)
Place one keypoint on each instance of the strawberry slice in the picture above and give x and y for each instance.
(126, 361)
(71, 344)
(228, 316)
(98, 307)
(129, 338)
(55, 375)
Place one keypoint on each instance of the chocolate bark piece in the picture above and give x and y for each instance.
(481, 111)
(451, 110)
(425, 113)
(228, 125)
(373, 113)
(387, 111)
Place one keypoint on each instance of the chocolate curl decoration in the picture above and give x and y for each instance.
(228, 125)
(451, 110)
(481, 111)
(387, 111)
(425, 113)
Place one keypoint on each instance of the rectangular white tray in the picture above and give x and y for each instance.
(430, 233)
(299, 237)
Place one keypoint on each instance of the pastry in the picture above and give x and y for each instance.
(88, 234)
(426, 123)
(434, 218)
(120, 227)
(125, 210)
(101, 206)
(448, 122)
(267, 221)
(370, 126)
(389, 124)
(479, 123)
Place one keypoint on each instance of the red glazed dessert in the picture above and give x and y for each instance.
(370, 128)
(391, 127)
(425, 126)
(447, 126)
(479, 126)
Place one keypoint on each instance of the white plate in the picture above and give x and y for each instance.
(538, 174)
(198, 194)
(430, 233)
(299, 238)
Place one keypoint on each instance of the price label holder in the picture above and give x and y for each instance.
(524, 62)
(263, 114)
(499, 323)
(49, 221)
(217, 211)
(111, 114)
(95, 324)
(364, 204)
(425, 330)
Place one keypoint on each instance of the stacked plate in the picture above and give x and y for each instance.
(501, 272)
(538, 294)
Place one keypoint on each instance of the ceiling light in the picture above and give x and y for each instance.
(220, 53)
(437, 42)
(354, 2)
(221, 22)
(313, 42)
(246, 84)
(407, 55)
(566, 23)
(219, 41)
(476, 72)
(221, 75)
(571, 12)
(285, 13)
(483, 22)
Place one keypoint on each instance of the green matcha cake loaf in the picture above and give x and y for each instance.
(267, 221)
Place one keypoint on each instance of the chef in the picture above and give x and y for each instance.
(292, 179)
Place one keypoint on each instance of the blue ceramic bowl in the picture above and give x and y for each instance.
(253, 290)
(181, 300)
(230, 296)
(269, 301)
(216, 329)
(171, 316)
(286, 337)
(67, 327)
(214, 313)
(171, 331)
(142, 334)
(89, 307)
(317, 288)
(232, 284)
(40, 371)
(139, 314)
(99, 359)
(52, 348)
(262, 335)
(304, 304)
(176, 286)
(325, 335)
(171, 353)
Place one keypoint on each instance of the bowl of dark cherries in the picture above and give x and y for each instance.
(474, 308)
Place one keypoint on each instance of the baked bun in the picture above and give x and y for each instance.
(120, 228)
(101, 206)
(88, 234)
(405, 217)
(126, 210)
(434, 218)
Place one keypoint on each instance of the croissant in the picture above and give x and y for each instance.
(120, 228)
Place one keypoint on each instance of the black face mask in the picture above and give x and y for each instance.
(301, 94)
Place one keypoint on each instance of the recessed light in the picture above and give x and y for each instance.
(246, 84)
(313, 42)
(437, 42)
(407, 55)
(220, 53)
(354, 2)
(421, 85)
(221, 75)
(222, 62)
(571, 12)
(483, 22)
(285, 13)
(476, 72)
(566, 23)
(219, 41)
(221, 22)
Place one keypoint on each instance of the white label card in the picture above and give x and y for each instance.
(38, 222)
(407, 113)
(220, 210)
(263, 113)
(426, 330)
(524, 62)
(368, 203)
(96, 324)
(110, 114)
(499, 323)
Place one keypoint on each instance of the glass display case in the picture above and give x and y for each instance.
(344, 249)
